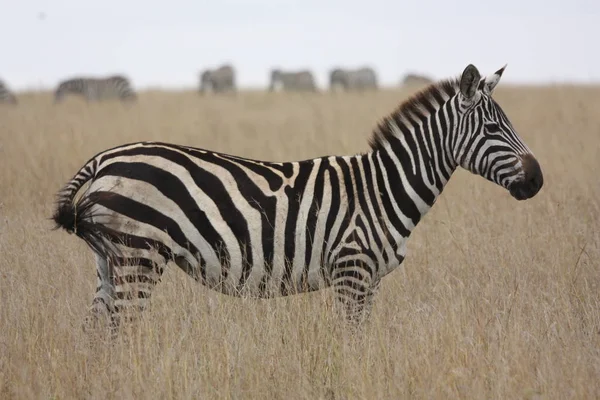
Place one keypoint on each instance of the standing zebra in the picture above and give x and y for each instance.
(96, 89)
(218, 80)
(296, 81)
(358, 79)
(265, 229)
(6, 96)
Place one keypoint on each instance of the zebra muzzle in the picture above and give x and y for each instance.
(532, 182)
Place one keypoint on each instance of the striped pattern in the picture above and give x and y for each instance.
(265, 229)
(359, 79)
(96, 89)
(6, 96)
(218, 80)
(292, 81)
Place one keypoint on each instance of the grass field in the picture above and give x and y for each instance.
(497, 299)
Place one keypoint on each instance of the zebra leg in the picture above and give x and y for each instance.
(124, 288)
(102, 307)
(354, 291)
(134, 278)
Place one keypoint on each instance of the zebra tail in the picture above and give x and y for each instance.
(77, 216)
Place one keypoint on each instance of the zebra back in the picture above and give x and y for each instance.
(303, 80)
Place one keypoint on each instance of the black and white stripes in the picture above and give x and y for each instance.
(96, 89)
(264, 229)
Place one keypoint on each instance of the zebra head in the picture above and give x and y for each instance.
(338, 79)
(69, 86)
(122, 86)
(62, 90)
(487, 144)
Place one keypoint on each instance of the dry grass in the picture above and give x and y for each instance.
(497, 298)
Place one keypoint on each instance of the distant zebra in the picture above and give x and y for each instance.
(218, 80)
(415, 79)
(292, 81)
(6, 96)
(97, 89)
(359, 79)
(266, 229)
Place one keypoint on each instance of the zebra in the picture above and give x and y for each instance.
(218, 80)
(416, 79)
(6, 96)
(299, 81)
(264, 229)
(96, 89)
(358, 79)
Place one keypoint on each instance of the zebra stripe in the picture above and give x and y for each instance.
(6, 96)
(266, 229)
(359, 79)
(218, 80)
(295, 81)
(96, 89)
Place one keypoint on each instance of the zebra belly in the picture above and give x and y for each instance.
(208, 244)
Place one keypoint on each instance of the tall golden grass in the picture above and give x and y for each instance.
(496, 299)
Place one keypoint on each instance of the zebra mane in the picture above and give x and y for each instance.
(418, 106)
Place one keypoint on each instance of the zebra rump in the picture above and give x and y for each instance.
(76, 217)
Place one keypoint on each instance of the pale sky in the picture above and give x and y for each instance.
(167, 43)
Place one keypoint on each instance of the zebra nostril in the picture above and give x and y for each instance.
(534, 176)
(533, 180)
(537, 179)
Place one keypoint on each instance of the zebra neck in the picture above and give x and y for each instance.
(410, 172)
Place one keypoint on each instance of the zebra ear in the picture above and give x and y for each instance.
(492, 80)
(469, 81)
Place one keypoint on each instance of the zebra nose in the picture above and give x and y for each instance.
(534, 178)
(532, 182)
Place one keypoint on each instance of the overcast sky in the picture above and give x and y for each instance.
(166, 43)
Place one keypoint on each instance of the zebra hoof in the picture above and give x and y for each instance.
(98, 323)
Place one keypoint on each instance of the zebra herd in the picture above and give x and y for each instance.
(222, 79)
(218, 80)
(264, 229)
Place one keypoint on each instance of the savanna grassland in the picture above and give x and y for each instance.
(497, 299)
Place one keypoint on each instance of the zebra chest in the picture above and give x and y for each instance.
(368, 242)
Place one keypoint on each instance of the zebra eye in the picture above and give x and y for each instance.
(492, 127)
